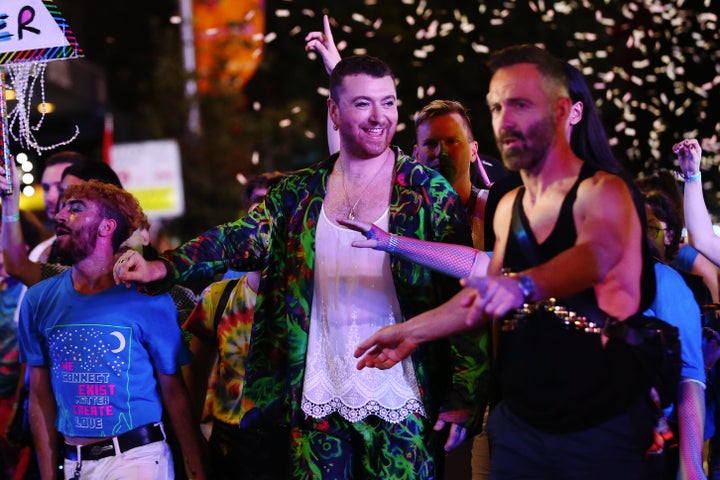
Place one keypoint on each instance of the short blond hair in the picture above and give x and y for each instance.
(440, 108)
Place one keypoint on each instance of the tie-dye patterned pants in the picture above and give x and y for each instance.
(334, 448)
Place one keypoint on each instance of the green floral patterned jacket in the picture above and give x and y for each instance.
(279, 239)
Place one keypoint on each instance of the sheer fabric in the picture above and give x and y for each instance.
(354, 296)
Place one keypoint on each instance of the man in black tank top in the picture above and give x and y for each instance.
(571, 403)
(570, 408)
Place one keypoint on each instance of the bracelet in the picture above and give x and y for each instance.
(11, 218)
(392, 244)
(695, 177)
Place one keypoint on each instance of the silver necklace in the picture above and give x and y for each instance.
(352, 213)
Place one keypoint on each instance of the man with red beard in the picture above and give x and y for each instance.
(101, 356)
(318, 297)
(572, 403)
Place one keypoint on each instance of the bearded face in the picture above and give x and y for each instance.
(366, 114)
(524, 148)
(76, 242)
(523, 115)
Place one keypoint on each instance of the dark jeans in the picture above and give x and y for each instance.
(612, 450)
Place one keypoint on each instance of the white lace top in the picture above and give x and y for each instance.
(354, 296)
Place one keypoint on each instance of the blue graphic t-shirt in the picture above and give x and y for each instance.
(102, 351)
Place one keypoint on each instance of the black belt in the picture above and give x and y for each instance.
(137, 437)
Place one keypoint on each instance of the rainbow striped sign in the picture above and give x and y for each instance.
(34, 30)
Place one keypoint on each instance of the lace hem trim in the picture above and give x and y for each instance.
(352, 414)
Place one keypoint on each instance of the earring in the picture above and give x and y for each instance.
(335, 127)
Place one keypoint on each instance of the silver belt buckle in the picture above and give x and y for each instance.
(98, 450)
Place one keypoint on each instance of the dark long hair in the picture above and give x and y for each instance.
(588, 138)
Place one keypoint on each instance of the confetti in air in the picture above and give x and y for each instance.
(653, 65)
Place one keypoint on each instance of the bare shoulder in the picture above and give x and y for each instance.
(506, 202)
(605, 207)
(608, 188)
(501, 225)
(604, 180)
(504, 211)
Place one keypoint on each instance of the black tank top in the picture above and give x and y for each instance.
(556, 379)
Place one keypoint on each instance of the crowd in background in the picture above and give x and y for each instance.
(333, 339)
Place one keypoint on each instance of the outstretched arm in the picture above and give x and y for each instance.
(390, 345)
(132, 267)
(15, 254)
(323, 44)
(457, 261)
(609, 240)
(697, 219)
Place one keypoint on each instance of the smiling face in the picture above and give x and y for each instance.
(523, 116)
(444, 143)
(366, 114)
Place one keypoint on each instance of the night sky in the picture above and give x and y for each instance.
(653, 67)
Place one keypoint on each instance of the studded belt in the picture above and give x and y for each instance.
(564, 317)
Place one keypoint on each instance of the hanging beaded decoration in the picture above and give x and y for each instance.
(24, 78)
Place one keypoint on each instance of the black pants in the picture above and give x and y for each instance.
(249, 453)
(613, 450)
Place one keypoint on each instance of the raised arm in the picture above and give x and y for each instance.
(324, 45)
(15, 254)
(700, 229)
(457, 261)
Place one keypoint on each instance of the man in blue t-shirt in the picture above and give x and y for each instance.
(97, 353)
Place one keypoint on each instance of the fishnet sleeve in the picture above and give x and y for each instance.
(454, 260)
(185, 300)
(48, 270)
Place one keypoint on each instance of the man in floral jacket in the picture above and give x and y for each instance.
(318, 297)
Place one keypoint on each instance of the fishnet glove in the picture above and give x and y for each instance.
(453, 260)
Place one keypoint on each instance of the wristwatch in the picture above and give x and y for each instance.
(527, 287)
